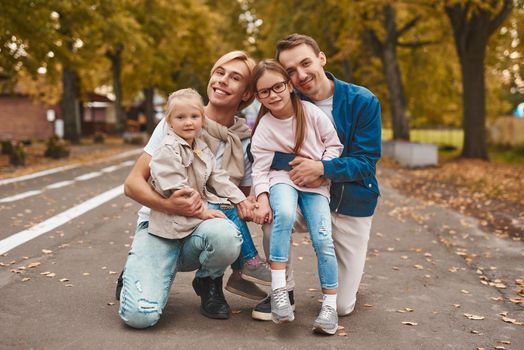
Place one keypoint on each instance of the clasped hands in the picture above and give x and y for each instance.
(187, 202)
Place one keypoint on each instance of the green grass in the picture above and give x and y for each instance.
(452, 138)
(450, 144)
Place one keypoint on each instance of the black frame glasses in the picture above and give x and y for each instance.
(276, 88)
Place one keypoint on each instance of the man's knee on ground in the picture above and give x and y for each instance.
(344, 309)
(141, 314)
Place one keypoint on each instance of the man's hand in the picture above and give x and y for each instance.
(263, 213)
(185, 202)
(245, 208)
(306, 172)
(211, 214)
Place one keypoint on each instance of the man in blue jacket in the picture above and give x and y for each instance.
(355, 113)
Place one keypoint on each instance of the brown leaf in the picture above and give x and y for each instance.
(474, 317)
(409, 323)
(47, 251)
(25, 279)
(33, 264)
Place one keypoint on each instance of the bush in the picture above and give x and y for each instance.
(99, 137)
(56, 148)
(7, 147)
(17, 157)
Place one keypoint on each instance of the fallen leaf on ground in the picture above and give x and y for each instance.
(47, 251)
(111, 303)
(69, 285)
(52, 274)
(474, 317)
(339, 328)
(64, 279)
(418, 267)
(236, 311)
(113, 272)
(368, 305)
(25, 279)
(86, 274)
(45, 272)
(465, 291)
(507, 342)
(312, 289)
(33, 264)
(409, 323)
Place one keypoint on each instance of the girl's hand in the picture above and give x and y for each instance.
(263, 213)
(211, 214)
(245, 208)
(317, 183)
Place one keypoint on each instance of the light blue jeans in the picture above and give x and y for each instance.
(154, 261)
(248, 249)
(284, 199)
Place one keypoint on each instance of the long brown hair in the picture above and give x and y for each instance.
(298, 108)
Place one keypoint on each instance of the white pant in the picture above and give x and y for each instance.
(350, 236)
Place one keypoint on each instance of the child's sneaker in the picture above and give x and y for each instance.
(259, 273)
(281, 310)
(327, 321)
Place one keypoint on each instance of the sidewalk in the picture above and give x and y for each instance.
(426, 286)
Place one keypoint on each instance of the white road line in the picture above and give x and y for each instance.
(59, 184)
(22, 237)
(19, 196)
(67, 182)
(67, 167)
(88, 176)
(38, 174)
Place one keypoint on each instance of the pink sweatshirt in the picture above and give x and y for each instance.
(320, 143)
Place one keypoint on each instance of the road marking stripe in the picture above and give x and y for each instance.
(59, 184)
(22, 237)
(66, 183)
(19, 196)
(67, 167)
(88, 176)
(38, 174)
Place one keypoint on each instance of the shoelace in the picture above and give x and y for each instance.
(326, 312)
(280, 297)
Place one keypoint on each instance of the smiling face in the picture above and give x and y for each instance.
(306, 69)
(279, 103)
(186, 120)
(228, 84)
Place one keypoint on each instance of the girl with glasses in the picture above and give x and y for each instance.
(299, 129)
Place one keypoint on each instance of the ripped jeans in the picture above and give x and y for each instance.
(154, 261)
(284, 199)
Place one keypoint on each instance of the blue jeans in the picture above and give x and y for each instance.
(248, 249)
(284, 199)
(154, 261)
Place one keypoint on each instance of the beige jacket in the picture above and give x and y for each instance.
(175, 165)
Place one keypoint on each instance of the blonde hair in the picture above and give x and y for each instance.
(300, 114)
(250, 64)
(186, 96)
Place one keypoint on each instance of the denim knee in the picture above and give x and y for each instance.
(139, 313)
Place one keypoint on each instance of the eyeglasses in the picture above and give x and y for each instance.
(276, 88)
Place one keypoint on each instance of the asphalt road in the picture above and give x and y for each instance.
(428, 266)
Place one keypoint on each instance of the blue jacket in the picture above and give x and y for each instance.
(354, 187)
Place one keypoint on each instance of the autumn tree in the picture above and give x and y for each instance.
(473, 24)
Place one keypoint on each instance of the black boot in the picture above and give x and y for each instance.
(213, 303)
(119, 285)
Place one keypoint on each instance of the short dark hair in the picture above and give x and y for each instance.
(294, 40)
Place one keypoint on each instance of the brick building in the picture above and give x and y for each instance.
(24, 119)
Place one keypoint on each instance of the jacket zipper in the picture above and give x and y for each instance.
(340, 201)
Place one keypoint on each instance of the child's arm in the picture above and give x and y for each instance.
(328, 135)
(262, 158)
(167, 172)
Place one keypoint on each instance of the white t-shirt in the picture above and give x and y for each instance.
(157, 137)
(327, 107)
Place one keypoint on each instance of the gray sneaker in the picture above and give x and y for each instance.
(281, 310)
(327, 321)
(244, 288)
(260, 273)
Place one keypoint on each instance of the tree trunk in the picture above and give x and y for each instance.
(69, 106)
(116, 65)
(472, 26)
(149, 94)
(473, 97)
(397, 97)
